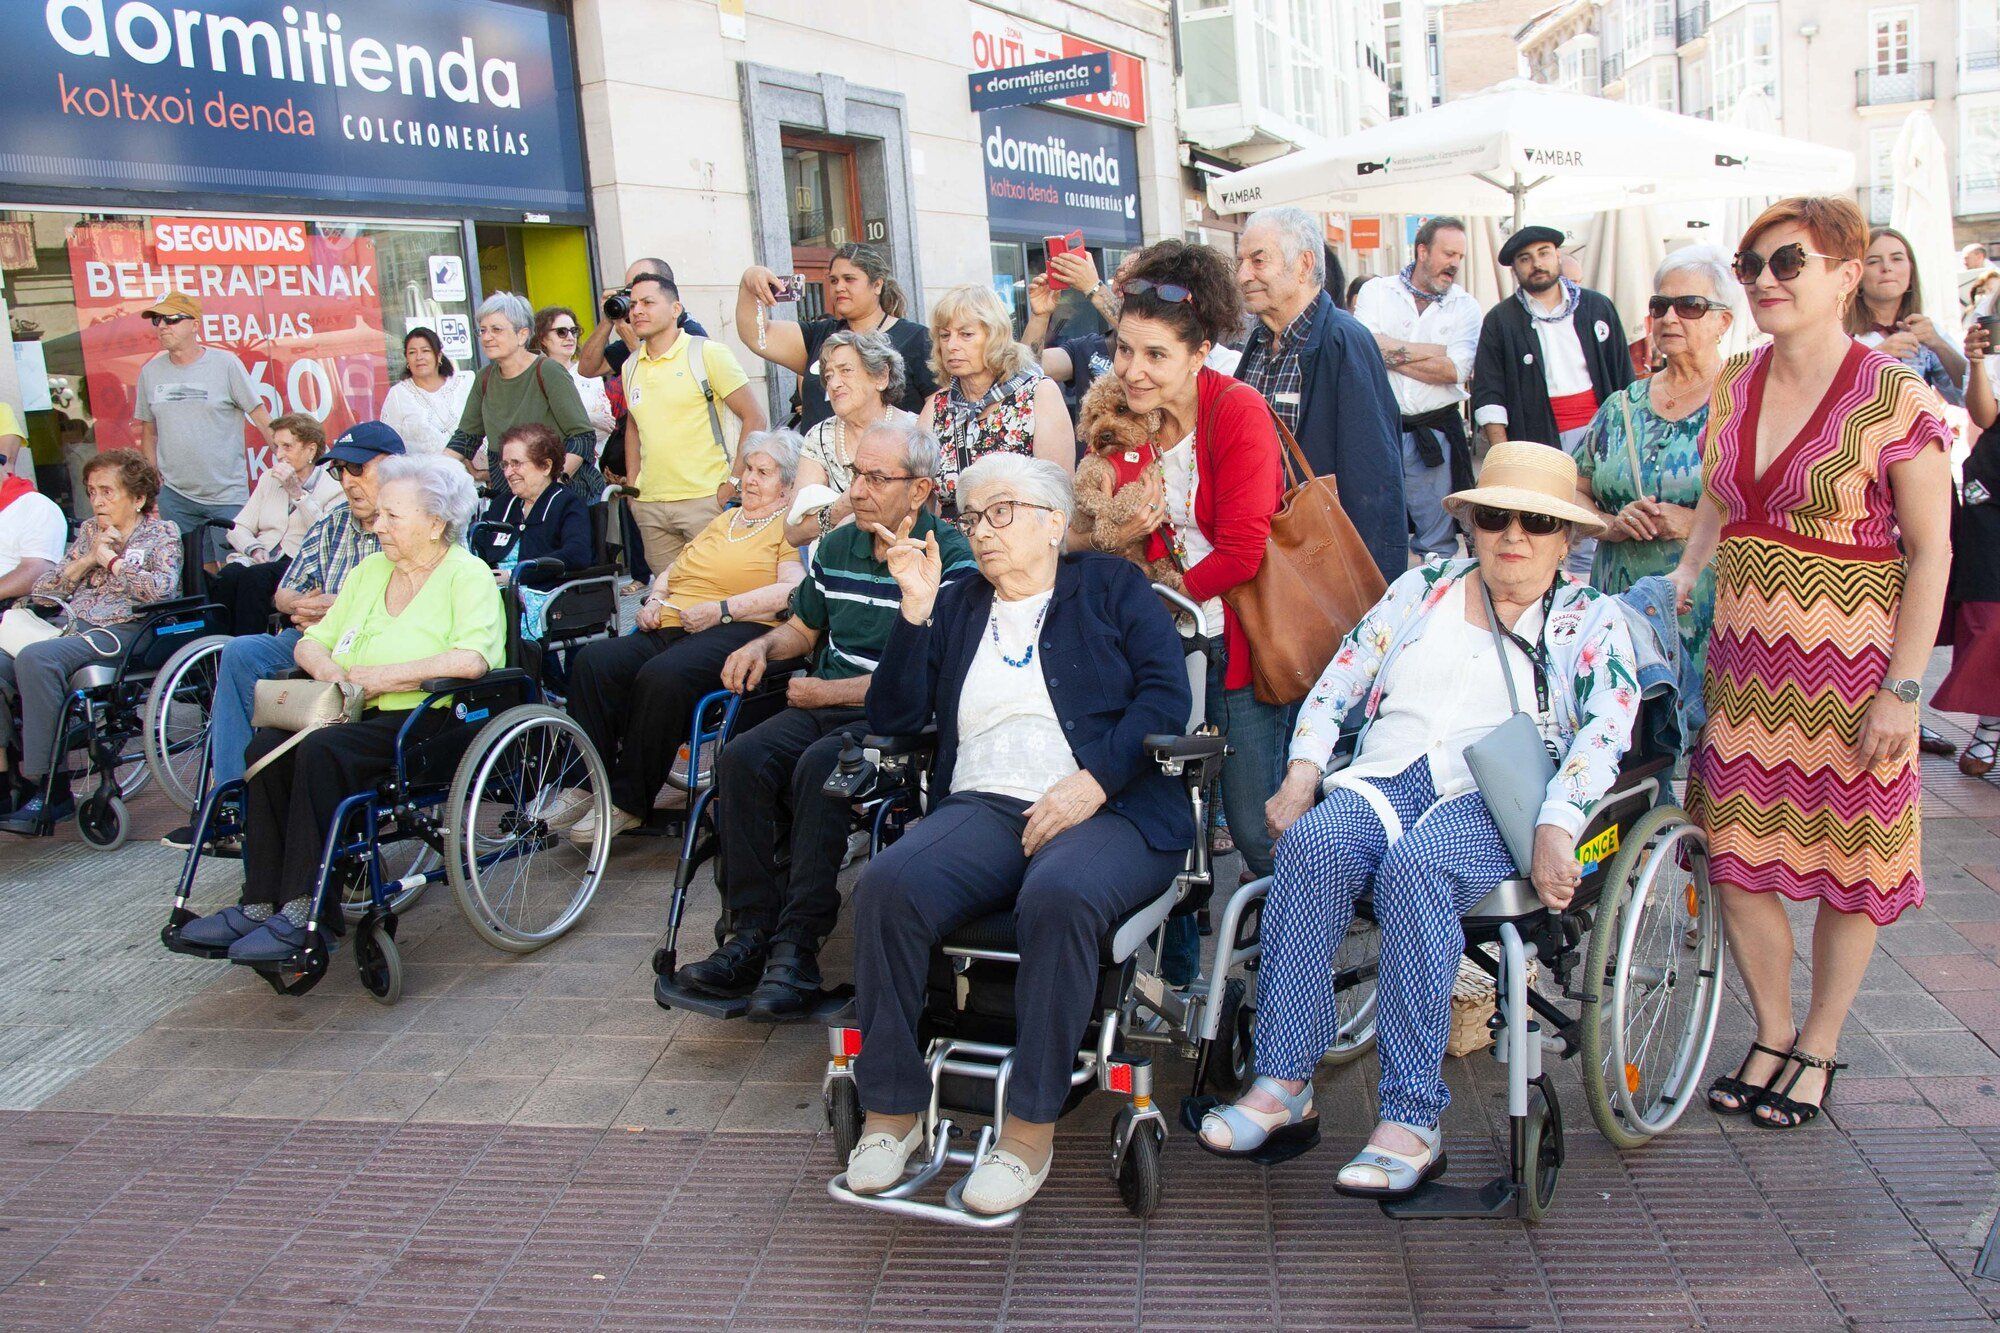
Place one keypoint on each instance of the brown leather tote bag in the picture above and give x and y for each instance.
(1315, 584)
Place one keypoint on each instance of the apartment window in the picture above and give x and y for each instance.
(1979, 35)
(1979, 157)
(1881, 174)
(1743, 60)
(1291, 43)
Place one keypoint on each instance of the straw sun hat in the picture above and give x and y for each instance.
(1530, 478)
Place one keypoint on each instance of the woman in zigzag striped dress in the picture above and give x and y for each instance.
(1825, 509)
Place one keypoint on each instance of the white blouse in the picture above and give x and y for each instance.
(426, 418)
(1442, 693)
(1182, 478)
(1010, 742)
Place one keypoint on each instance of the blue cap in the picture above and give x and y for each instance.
(364, 441)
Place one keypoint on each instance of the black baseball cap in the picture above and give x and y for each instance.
(365, 441)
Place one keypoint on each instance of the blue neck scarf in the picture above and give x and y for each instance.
(1560, 313)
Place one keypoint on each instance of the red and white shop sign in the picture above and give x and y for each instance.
(301, 310)
(1001, 40)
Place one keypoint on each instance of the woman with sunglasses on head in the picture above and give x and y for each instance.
(1437, 665)
(1889, 316)
(995, 397)
(423, 407)
(1825, 504)
(1640, 461)
(556, 336)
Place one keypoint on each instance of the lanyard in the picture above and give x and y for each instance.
(1537, 654)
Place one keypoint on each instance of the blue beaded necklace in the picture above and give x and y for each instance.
(993, 629)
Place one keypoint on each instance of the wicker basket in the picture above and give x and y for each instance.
(1472, 1004)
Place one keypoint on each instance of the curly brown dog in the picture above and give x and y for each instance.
(1118, 480)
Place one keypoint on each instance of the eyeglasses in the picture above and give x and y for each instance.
(1488, 519)
(1786, 262)
(157, 320)
(1687, 307)
(564, 330)
(1170, 292)
(512, 464)
(1000, 514)
(877, 479)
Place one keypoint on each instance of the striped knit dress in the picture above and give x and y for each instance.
(1809, 577)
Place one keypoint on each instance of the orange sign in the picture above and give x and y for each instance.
(1366, 233)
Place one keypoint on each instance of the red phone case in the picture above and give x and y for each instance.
(1061, 245)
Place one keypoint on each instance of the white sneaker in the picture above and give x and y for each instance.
(878, 1160)
(1002, 1182)
(584, 831)
(567, 806)
(858, 843)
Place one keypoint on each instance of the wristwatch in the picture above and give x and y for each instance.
(1909, 691)
(726, 617)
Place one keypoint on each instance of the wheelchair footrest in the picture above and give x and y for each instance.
(830, 1005)
(1498, 1197)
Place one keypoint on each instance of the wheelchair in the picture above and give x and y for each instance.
(1639, 952)
(969, 1016)
(104, 717)
(479, 811)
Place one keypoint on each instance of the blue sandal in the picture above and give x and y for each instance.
(1265, 1137)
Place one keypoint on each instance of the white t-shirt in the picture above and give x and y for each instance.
(1010, 742)
(424, 418)
(32, 528)
(1183, 478)
(1564, 369)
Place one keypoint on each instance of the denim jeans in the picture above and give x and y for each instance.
(1259, 736)
(245, 661)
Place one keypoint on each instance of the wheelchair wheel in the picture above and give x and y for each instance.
(1231, 1065)
(104, 823)
(1355, 964)
(400, 859)
(1647, 1028)
(1139, 1174)
(379, 961)
(518, 877)
(843, 1114)
(1541, 1156)
(176, 718)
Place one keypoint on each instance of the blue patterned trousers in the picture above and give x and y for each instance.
(1448, 857)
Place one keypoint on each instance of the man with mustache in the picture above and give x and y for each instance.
(1427, 328)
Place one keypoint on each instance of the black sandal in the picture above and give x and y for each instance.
(1789, 1114)
(1748, 1095)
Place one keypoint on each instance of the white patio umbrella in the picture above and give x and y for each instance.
(1519, 143)
(1921, 210)
(1621, 250)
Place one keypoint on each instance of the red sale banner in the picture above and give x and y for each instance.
(299, 308)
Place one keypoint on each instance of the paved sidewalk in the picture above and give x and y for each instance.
(532, 1142)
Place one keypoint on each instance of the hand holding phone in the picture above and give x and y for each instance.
(791, 287)
(1060, 245)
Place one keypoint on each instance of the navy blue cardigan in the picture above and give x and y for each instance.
(1114, 668)
(1350, 427)
(558, 525)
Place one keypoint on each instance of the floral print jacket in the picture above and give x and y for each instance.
(1593, 683)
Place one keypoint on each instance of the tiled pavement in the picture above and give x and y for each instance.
(531, 1142)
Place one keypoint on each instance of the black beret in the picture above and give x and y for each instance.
(1526, 237)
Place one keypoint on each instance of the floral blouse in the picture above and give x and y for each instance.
(1003, 420)
(1592, 669)
(149, 570)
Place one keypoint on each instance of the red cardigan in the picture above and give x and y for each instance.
(1241, 484)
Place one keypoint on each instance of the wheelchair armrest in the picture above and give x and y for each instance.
(1165, 748)
(895, 747)
(505, 678)
(541, 564)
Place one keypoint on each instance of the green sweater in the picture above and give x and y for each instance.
(459, 606)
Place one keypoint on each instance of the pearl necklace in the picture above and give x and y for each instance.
(993, 628)
(756, 527)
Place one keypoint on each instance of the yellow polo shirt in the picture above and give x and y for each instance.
(678, 459)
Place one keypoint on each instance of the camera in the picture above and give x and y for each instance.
(618, 305)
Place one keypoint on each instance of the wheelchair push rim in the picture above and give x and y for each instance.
(176, 718)
(1355, 966)
(1656, 961)
(519, 879)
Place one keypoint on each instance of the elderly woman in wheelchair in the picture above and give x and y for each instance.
(424, 609)
(1043, 679)
(1439, 664)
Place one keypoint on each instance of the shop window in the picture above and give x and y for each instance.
(822, 208)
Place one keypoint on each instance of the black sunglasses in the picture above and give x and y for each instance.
(1488, 519)
(1687, 307)
(340, 467)
(1170, 292)
(1786, 262)
(564, 330)
(157, 320)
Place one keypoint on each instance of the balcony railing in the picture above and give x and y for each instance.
(1981, 59)
(1611, 68)
(1877, 87)
(1979, 194)
(1878, 202)
(1691, 23)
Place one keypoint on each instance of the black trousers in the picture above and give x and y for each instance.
(245, 593)
(768, 780)
(288, 806)
(963, 861)
(635, 696)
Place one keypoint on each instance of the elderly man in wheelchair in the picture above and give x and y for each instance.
(1436, 810)
(1045, 679)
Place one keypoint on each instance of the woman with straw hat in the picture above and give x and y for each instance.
(1436, 664)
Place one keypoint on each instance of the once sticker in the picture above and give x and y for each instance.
(1599, 847)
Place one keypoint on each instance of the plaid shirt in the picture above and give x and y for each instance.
(331, 549)
(1271, 366)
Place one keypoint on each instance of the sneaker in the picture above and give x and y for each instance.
(568, 806)
(858, 843)
(734, 969)
(34, 816)
(584, 831)
(789, 987)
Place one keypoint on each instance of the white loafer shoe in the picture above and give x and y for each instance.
(878, 1160)
(568, 806)
(1002, 1182)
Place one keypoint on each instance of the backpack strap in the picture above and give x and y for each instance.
(698, 366)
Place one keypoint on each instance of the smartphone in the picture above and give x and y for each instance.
(1061, 245)
(791, 287)
(1991, 323)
